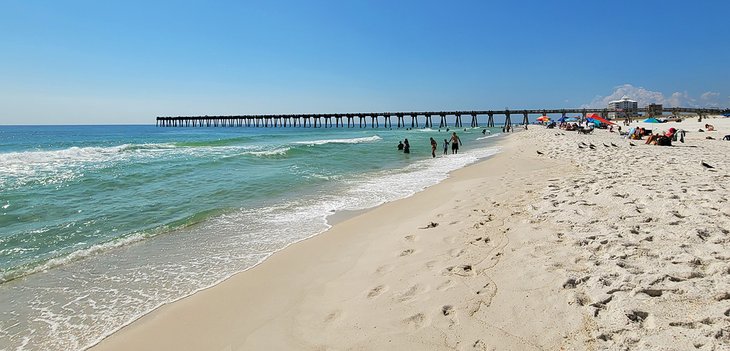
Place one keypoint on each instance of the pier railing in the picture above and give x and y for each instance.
(402, 119)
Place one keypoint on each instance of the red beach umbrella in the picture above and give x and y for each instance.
(598, 118)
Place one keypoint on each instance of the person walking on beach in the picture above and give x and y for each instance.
(406, 147)
(433, 147)
(455, 142)
(400, 145)
(446, 147)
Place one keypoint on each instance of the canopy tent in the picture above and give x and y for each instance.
(652, 120)
(596, 119)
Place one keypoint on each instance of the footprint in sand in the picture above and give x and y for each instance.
(410, 293)
(456, 252)
(410, 238)
(464, 270)
(447, 310)
(446, 285)
(406, 252)
(376, 291)
(333, 317)
(416, 321)
(385, 269)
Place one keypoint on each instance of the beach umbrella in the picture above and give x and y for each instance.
(571, 119)
(543, 118)
(652, 120)
(596, 117)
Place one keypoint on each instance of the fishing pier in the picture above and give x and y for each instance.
(402, 119)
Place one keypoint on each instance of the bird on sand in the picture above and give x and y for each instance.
(706, 165)
(539, 153)
(632, 144)
(604, 144)
(614, 145)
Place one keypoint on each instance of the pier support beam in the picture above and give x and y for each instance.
(507, 122)
(429, 122)
(490, 120)
(414, 120)
(401, 121)
(474, 122)
(442, 123)
(457, 122)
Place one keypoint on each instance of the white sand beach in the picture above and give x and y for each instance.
(612, 248)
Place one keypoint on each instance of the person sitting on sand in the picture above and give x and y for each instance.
(400, 145)
(709, 127)
(662, 140)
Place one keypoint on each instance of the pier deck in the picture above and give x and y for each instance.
(402, 119)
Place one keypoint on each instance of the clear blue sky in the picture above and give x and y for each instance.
(129, 61)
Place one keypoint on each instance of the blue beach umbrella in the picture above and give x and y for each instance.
(651, 120)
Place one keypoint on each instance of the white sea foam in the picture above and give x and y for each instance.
(489, 136)
(273, 152)
(56, 166)
(74, 256)
(340, 141)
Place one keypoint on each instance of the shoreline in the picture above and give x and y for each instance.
(523, 240)
(310, 258)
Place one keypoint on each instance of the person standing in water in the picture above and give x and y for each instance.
(434, 144)
(400, 145)
(406, 147)
(455, 142)
(446, 147)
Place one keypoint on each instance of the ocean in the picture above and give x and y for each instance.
(100, 225)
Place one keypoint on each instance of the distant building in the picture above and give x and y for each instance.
(623, 108)
(654, 110)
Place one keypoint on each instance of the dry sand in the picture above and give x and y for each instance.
(609, 248)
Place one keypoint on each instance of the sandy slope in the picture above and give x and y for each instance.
(614, 248)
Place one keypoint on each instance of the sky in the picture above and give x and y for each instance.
(110, 62)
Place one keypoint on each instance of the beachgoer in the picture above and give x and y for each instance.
(484, 131)
(400, 145)
(446, 147)
(406, 147)
(455, 142)
(709, 127)
(434, 144)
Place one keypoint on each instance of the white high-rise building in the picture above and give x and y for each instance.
(624, 107)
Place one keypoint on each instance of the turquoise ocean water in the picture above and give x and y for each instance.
(101, 224)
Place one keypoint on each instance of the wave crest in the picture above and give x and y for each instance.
(340, 141)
